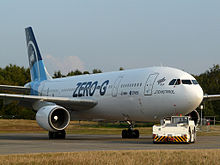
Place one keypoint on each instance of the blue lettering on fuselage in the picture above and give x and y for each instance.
(89, 88)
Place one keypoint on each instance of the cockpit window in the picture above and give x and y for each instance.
(178, 82)
(172, 82)
(175, 82)
(194, 82)
(187, 82)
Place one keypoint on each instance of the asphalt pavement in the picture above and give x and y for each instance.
(16, 143)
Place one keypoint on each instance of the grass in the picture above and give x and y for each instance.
(87, 127)
(19, 126)
(84, 127)
(134, 157)
(130, 157)
(209, 131)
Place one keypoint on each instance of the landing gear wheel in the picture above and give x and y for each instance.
(124, 134)
(57, 135)
(130, 134)
(137, 134)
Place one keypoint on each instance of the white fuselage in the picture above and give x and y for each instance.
(136, 95)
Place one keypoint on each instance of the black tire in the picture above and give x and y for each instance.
(57, 135)
(130, 133)
(51, 135)
(124, 134)
(61, 134)
(136, 134)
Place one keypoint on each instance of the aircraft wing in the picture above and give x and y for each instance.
(211, 97)
(69, 103)
(19, 89)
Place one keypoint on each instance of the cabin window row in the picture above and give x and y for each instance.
(131, 85)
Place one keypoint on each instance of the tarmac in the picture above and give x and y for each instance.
(17, 143)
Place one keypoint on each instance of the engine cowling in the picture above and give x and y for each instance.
(194, 116)
(53, 118)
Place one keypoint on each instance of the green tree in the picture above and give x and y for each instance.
(58, 74)
(74, 73)
(15, 75)
(94, 71)
(121, 68)
(86, 72)
(210, 83)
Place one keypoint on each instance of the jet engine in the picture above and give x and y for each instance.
(53, 118)
(194, 116)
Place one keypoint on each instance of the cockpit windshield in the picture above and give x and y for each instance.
(172, 82)
(187, 82)
(183, 81)
(194, 82)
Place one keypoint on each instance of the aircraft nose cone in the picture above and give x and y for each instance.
(195, 96)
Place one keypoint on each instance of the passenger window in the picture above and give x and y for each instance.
(178, 82)
(172, 82)
(186, 82)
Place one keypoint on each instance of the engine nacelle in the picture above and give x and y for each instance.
(194, 116)
(53, 118)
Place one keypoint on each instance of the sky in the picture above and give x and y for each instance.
(109, 34)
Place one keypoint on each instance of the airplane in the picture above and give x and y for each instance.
(146, 94)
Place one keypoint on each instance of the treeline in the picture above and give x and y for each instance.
(58, 74)
(15, 75)
(210, 83)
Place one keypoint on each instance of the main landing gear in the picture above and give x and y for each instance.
(130, 132)
(57, 135)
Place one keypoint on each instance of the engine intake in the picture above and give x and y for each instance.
(53, 118)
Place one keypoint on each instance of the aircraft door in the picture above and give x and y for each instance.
(149, 84)
(116, 85)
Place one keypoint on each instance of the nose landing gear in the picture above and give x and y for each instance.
(130, 132)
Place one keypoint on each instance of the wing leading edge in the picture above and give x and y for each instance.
(70, 103)
(16, 89)
(211, 97)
